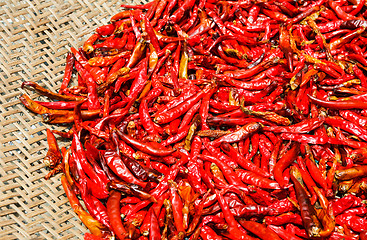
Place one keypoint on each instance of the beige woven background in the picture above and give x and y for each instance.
(34, 39)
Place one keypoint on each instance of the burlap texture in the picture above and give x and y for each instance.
(34, 39)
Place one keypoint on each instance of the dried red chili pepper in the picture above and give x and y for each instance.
(246, 70)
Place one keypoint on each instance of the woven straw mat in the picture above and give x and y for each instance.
(34, 39)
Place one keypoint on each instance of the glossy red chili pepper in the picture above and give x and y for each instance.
(284, 219)
(242, 161)
(238, 135)
(256, 180)
(356, 223)
(259, 230)
(284, 162)
(113, 210)
(180, 109)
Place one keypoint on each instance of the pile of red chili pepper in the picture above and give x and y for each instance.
(206, 119)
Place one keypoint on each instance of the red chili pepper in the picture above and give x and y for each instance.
(284, 162)
(284, 219)
(234, 229)
(256, 180)
(357, 224)
(240, 134)
(94, 226)
(259, 230)
(154, 231)
(113, 210)
(219, 155)
(177, 209)
(119, 168)
(145, 147)
(88, 45)
(227, 171)
(53, 156)
(242, 161)
(340, 104)
(207, 233)
(177, 111)
(68, 72)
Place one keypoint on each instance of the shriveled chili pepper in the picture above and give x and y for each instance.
(284, 219)
(92, 224)
(350, 173)
(240, 134)
(120, 169)
(53, 156)
(234, 65)
(180, 109)
(34, 86)
(309, 217)
(253, 179)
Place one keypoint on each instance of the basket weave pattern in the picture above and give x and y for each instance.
(34, 39)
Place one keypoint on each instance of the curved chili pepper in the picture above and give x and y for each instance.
(120, 169)
(145, 147)
(45, 92)
(284, 162)
(88, 45)
(227, 171)
(94, 226)
(113, 211)
(240, 134)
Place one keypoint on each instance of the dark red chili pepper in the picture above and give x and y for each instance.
(308, 214)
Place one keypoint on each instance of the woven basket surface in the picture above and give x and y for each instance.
(34, 39)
